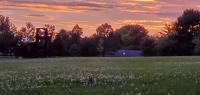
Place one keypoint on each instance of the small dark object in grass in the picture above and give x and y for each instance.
(91, 80)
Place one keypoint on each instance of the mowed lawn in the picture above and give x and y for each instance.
(115, 76)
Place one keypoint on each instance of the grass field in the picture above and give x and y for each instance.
(115, 76)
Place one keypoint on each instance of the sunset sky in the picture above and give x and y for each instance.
(89, 14)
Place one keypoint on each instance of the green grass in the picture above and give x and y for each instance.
(115, 76)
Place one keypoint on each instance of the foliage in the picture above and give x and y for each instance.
(67, 43)
(179, 38)
(7, 39)
(148, 46)
(132, 36)
(113, 42)
(89, 46)
(74, 50)
(197, 46)
(104, 30)
(61, 43)
(76, 34)
(27, 33)
(51, 29)
(166, 46)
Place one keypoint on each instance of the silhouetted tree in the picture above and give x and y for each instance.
(166, 46)
(68, 43)
(113, 42)
(76, 34)
(166, 43)
(7, 39)
(185, 27)
(148, 46)
(89, 46)
(196, 50)
(180, 36)
(61, 43)
(101, 47)
(132, 36)
(75, 40)
(103, 32)
(74, 50)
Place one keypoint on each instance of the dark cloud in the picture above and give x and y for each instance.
(169, 14)
(36, 15)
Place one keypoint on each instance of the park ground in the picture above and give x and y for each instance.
(115, 76)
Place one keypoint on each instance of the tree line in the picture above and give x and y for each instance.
(178, 39)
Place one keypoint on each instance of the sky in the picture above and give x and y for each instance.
(89, 14)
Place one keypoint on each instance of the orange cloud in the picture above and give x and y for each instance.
(143, 0)
(49, 7)
(153, 26)
(44, 8)
(124, 22)
(152, 7)
(41, 17)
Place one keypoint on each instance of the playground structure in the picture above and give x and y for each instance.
(41, 47)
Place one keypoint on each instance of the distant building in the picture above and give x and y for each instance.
(128, 53)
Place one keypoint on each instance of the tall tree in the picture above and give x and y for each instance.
(76, 34)
(185, 29)
(132, 36)
(75, 41)
(182, 38)
(61, 43)
(103, 32)
(166, 43)
(7, 39)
